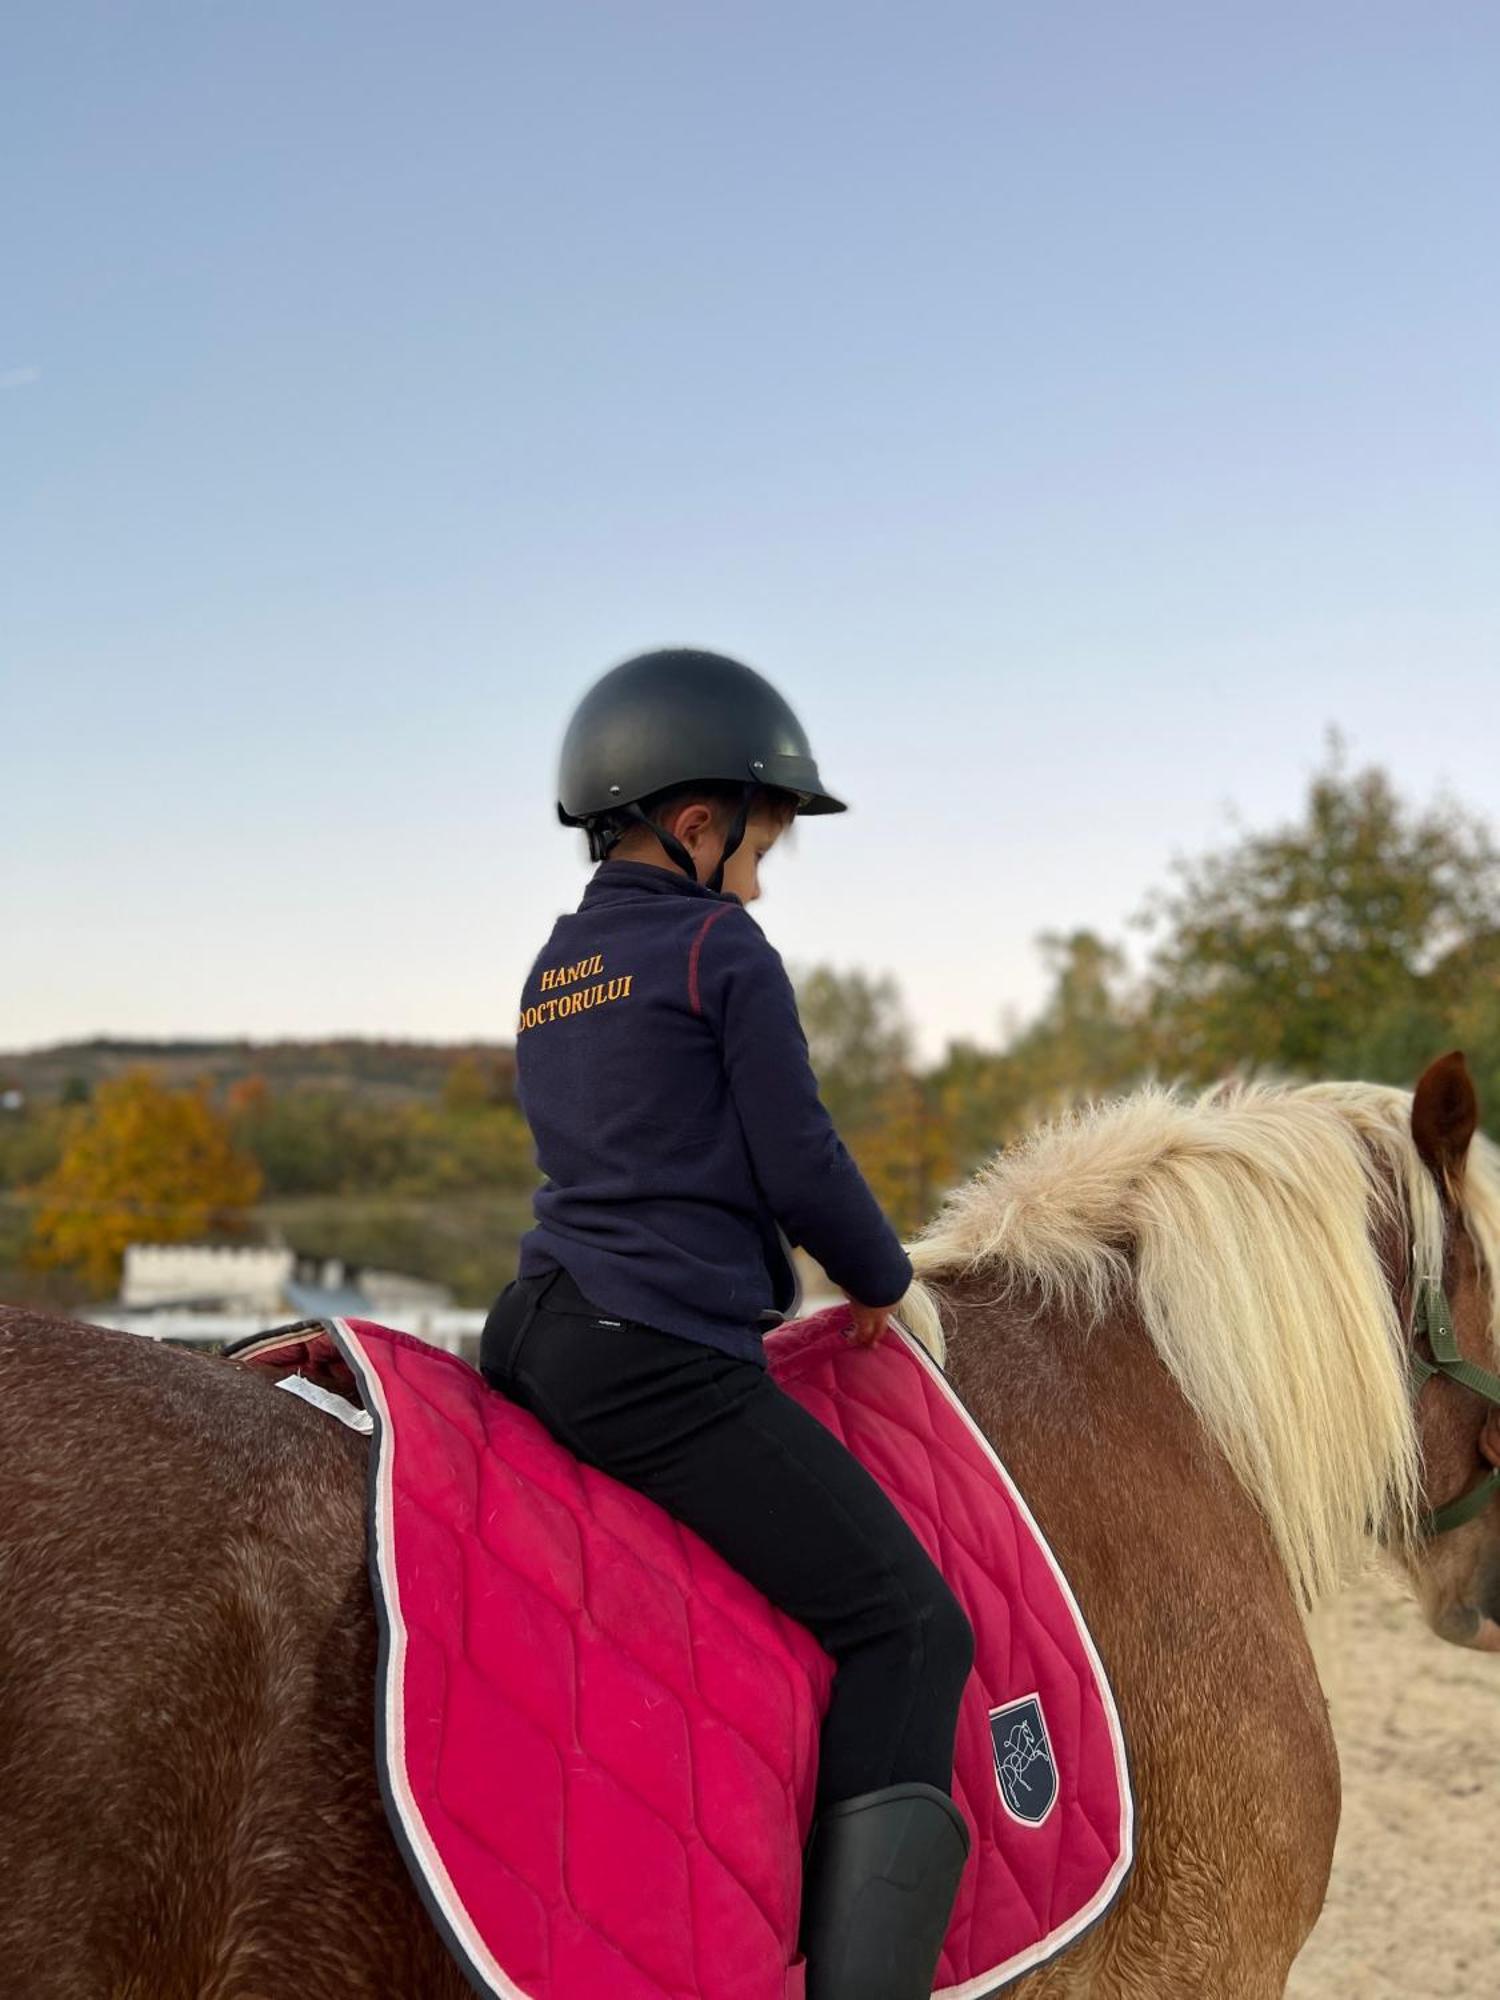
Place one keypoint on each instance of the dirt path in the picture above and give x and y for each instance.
(1413, 1911)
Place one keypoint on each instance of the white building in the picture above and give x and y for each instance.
(251, 1278)
(217, 1292)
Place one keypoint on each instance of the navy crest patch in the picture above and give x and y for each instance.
(1025, 1769)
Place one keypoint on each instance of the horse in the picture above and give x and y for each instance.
(1191, 1325)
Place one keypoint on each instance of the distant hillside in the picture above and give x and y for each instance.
(385, 1071)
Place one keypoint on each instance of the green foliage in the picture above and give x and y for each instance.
(1090, 1035)
(1353, 942)
(858, 1039)
(312, 1142)
(1360, 941)
(1089, 1039)
(468, 1242)
(860, 1044)
(984, 1094)
(31, 1143)
(391, 1072)
(474, 1086)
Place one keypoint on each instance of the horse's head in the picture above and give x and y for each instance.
(1455, 1562)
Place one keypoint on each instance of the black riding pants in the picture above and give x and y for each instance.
(716, 1443)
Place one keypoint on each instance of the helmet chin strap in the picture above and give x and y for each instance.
(679, 853)
(732, 840)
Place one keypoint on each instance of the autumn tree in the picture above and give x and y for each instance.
(858, 1039)
(141, 1164)
(860, 1044)
(908, 1153)
(467, 1088)
(980, 1095)
(1089, 1038)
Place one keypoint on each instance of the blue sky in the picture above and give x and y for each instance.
(1075, 410)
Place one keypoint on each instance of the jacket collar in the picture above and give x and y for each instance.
(629, 878)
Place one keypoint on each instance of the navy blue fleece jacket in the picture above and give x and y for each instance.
(664, 1073)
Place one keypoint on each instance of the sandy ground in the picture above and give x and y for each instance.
(1413, 1910)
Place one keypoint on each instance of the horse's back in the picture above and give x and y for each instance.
(188, 1652)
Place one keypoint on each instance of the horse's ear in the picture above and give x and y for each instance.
(1445, 1116)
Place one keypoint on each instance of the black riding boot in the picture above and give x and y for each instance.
(878, 1886)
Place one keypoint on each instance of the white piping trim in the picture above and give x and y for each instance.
(1048, 1947)
(438, 1880)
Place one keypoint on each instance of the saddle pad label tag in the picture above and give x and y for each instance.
(1025, 1767)
(324, 1399)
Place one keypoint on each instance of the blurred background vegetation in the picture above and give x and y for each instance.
(1359, 941)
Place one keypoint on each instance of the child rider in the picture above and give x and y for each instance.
(664, 1073)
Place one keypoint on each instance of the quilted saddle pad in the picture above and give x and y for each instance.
(597, 1742)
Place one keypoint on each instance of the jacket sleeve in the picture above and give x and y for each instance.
(809, 1179)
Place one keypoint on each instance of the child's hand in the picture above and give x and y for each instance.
(867, 1323)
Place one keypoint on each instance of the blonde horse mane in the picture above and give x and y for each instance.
(1244, 1224)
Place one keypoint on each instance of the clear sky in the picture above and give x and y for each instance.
(1074, 409)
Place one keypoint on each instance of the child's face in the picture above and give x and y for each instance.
(740, 870)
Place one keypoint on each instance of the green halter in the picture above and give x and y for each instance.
(1433, 1316)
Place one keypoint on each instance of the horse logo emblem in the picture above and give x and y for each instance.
(1025, 1769)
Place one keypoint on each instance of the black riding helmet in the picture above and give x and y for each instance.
(674, 718)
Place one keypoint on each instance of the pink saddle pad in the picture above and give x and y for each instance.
(598, 1743)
